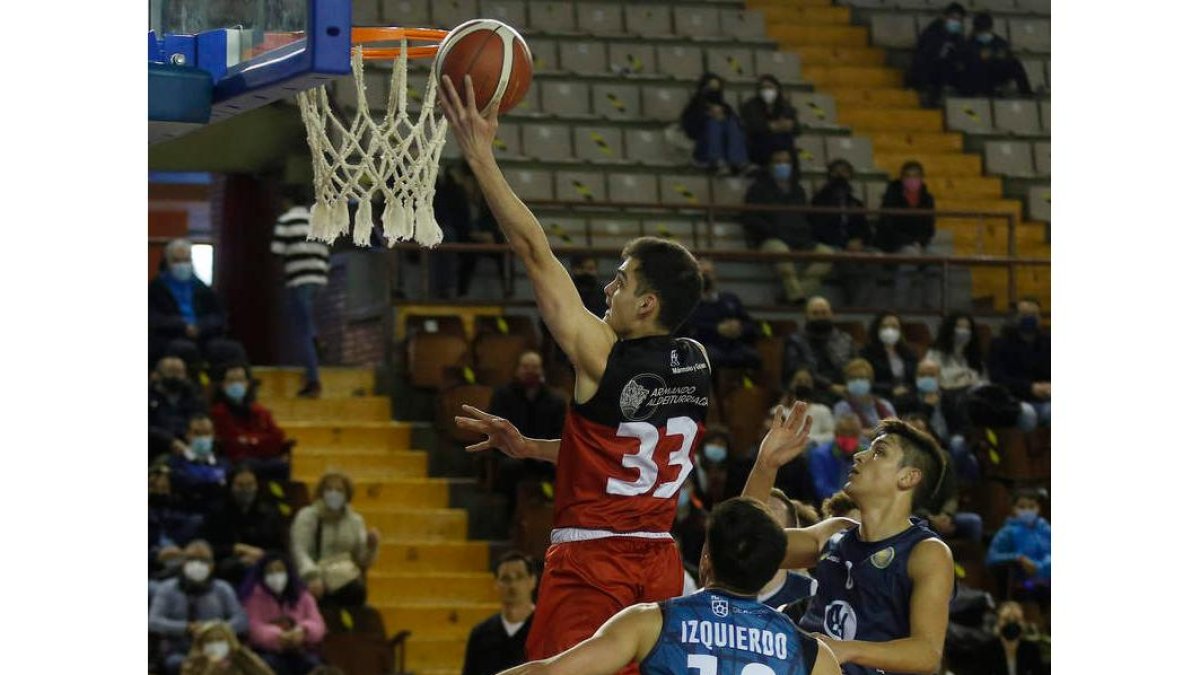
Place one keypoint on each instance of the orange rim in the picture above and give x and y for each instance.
(364, 35)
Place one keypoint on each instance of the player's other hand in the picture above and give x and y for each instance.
(500, 433)
(473, 129)
(788, 436)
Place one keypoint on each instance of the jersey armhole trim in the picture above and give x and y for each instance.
(808, 649)
(703, 352)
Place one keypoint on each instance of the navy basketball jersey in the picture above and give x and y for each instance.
(863, 589)
(718, 633)
(795, 587)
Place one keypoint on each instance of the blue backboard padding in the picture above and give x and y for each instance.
(155, 48)
(179, 93)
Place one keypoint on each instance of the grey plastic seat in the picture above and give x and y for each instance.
(1000, 26)
(1039, 202)
(893, 30)
(532, 103)
(586, 57)
(1041, 157)
(1016, 116)
(969, 115)
(647, 20)
(631, 58)
(857, 150)
(1030, 34)
(993, 5)
(552, 17)
(811, 152)
(613, 232)
(871, 192)
(531, 183)
(507, 143)
(598, 143)
(1039, 7)
(815, 110)
(545, 55)
(1035, 69)
(647, 146)
(579, 186)
(732, 63)
(684, 62)
(365, 13)
(617, 101)
(911, 4)
(450, 13)
(1044, 111)
(345, 93)
(666, 103)
(566, 98)
(743, 24)
(730, 190)
(546, 142)
(1008, 158)
(405, 12)
(511, 12)
(564, 229)
(697, 22)
(783, 65)
(633, 188)
(599, 18)
(681, 189)
(675, 229)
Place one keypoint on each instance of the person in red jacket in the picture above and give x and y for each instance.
(245, 430)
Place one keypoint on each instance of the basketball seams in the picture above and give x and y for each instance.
(507, 84)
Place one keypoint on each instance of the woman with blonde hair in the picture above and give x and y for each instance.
(216, 651)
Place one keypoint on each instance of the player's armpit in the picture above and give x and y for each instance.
(805, 544)
(626, 637)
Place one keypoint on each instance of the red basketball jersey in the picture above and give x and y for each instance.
(626, 452)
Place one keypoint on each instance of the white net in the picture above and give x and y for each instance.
(396, 158)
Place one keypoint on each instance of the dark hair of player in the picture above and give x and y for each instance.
(669, 271)
(745, 545)
(922, 452)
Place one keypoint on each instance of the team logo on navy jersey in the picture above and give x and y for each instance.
(720, 606)
(840, 621)
(635, 393)
(883, 558)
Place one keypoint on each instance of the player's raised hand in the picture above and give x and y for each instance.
(474, 130)
(501, 434)
(788, 436)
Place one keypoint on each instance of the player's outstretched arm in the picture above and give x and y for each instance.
(931, 567)
(626, 637)
(784, 442)
(583, 337)
(503, 436)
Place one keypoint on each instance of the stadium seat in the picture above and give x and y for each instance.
(1016, 116)
(450, 13)
(430, 353)
(783, 65)
(599, 144)
(631, 58)
(531, 184)
(430, 323)
(1030, 35)
(912, 4)
(585, 57)
(897, 31)
(969, 115)
(1044, 114)
(853, 149)
(771, 351)
(545, 55)
(730, 190)
(295, 495)
(599, 18)
(1000, 26)
(697, 22)
(1039, 203)
(811, 151)
(681, 231)
(533, 518)
(1035, 69)
(1008, 158)
(855, 330)
(732, 63)
(546, 142)
(511, 12)
(665, 103)
(507, 143)
(453, 398)
(992, 5)
(532, 103)
(743, 24)
(682, 62)
(345, 92)
(406, 12)
(872, 193)
(579, 186)
(648, 20)
(815, 110)
(632, 188)
(918, 336)
(744, 409)
(647, 146)
(613, 232)
(680, 189)
(566, 98)
(364, 14)
(564, 229)
(1039, 7)
(1041, 157)
(617, 101)
(495, 356)
(552, 17)
(358, 654)
(778, 327)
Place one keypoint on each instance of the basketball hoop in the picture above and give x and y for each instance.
(396, 157)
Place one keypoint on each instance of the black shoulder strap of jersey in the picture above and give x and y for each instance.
(808, 650)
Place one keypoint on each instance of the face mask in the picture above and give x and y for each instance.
(685, 498)
(712, 95)
(954, 25)
(1028, 324)
(217, 651)
(196, 570)
(927, 384)
(335, 499)
(1011, 630)
(202, 446)
(530, 380)
(781, 171)
(858, 387)
(889, 336)
(848, 444)
(768, 95)
(984, 38)
(912, 184)
(236, 391)
(585, 279)
(819, 326)
(174, 385)
(715, 453)
(182, 271)
(1027, 516)
(276, 581)
(961, 337)
(244, 498)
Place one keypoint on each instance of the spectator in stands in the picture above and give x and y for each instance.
(1009, 653)
(829, 463)
(916, 285)
(893, 360)
(170, 525)
(990, 63)
(199, 474)
(821, 348)
(537, 411)
(174, 399)
(245, 429)
(216, 651)
(712, 466)
(722, 325)
(331, 545)
(1019, 554)
(186, 318)
(938, 59)
(585, 273)
(463, 214)
(786, 586)
(801, 388)
(714, 126)
(847, 232)
(1019, 361)
(957, 351)
(840, 505)
(498, 642)
(859, 400)
(770, 120)
(286, 627)
(784, 231)
(306, 272)
(245, 528)
(942, 511)
(691, 518)
(182, 605)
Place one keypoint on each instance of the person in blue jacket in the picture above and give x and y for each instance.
(1020, 550)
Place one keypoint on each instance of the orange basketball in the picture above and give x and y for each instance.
(494, 55)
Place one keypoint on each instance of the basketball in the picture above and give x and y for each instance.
(494, 55)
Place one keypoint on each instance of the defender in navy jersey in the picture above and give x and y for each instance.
(721, 630)
(883, 588)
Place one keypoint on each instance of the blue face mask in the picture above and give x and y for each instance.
(858, 387)
(1028, 324)
(715, 453)
(1027, 516)
(984, 38)
(781, 171)
(954, 25)
(182, 271)
(202, 446)
(236, 391)
(927, 384)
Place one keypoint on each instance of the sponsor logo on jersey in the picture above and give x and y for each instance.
(720, 607)
(840, 621)
(635, 393)
(882, 559)
(674, 358)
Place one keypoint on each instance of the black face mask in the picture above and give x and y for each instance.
(174, 385)
(585, 279)
(819, 326)
(712, 95)
(1010, 630)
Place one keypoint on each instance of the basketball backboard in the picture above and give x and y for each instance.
(212, 59)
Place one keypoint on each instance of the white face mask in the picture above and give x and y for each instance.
(889, 336)
(768, 95)
(216, 651)
(335, 499)
(276, 581)
(196, 570)
(961, 337)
